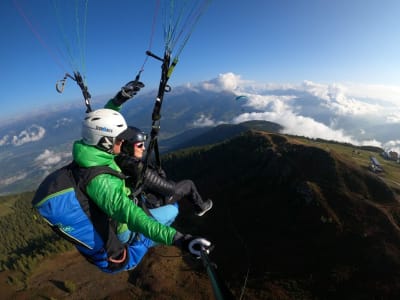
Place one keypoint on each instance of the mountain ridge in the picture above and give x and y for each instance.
(211, 135)
(29, 168)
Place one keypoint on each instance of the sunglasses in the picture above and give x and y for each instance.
(141, 145)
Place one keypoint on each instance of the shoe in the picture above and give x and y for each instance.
(206, 207)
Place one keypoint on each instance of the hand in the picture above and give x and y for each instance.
(192, 244)
(127, 92)
(131, 88)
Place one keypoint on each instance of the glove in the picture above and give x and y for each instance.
(192, 244)
(127, 92)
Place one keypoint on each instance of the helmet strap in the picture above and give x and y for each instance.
(106, 143)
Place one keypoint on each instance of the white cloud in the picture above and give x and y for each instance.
(393, 117)
(343, 105)
(49, 158)
(345, 112)
(296, 124)
(340, 100)
(62, 122)
(372, 142)
(32, 134)
(12, 179)
(321, 91)
(262, 101)
(224, 82)
(204, 121)
(375, 91)
(389, 94)
(4, 140)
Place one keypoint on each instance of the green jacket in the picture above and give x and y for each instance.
(111, 195)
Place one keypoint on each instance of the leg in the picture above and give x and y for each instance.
(187, 188)
(165, 214)
(136, 251)
(139, 244)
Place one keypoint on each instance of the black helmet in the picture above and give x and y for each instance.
(131, 136)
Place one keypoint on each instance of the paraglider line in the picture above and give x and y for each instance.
(36, 33)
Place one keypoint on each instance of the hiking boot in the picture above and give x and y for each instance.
(205, 208)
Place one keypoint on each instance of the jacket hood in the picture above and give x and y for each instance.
(90, 156)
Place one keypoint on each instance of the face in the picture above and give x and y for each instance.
(138, 149)
(117, 146)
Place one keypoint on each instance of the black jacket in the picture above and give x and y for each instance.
(152, 182)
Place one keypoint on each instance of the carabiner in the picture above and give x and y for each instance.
(60, 84)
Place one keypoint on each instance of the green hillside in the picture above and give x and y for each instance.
(360, 156)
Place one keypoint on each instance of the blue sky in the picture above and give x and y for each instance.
(268, 41)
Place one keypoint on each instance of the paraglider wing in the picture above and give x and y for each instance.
(242, 97)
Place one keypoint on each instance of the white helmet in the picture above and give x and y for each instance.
(101, 127)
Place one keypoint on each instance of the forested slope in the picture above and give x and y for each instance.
(25, 239)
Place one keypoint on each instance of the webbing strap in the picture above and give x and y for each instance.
(156, 116)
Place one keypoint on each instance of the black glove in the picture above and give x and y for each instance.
(192, 244)
(127, 92)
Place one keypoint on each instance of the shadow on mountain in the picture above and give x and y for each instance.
(294, 220)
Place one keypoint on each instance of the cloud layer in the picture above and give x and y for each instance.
(354, 113)
(12, 179)
(48, 159)
(33, 133)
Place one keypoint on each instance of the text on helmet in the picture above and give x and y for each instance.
(103, 129)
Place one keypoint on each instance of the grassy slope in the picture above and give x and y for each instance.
(361, 157)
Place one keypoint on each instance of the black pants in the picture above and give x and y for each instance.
(187, 189)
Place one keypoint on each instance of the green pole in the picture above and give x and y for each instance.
(221, 291)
